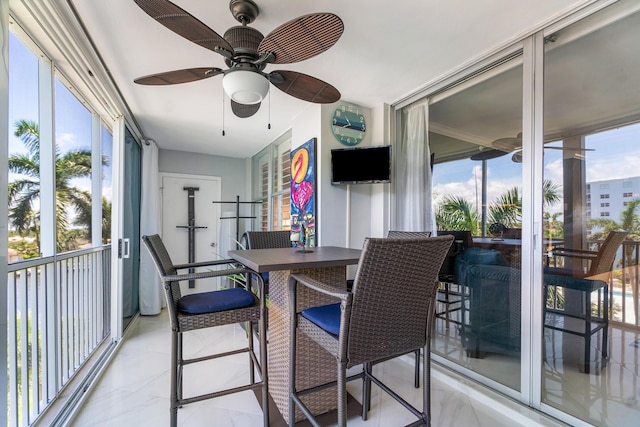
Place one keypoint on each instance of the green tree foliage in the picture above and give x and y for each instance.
(24, 192)
(629, 221)
(456, 213)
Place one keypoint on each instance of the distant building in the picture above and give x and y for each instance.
(607, 199)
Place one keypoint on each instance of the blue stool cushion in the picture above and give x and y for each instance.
(325, 316)
(210, 302)
(265, 277)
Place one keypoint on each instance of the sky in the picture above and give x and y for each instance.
(72, 118)
(616, 154)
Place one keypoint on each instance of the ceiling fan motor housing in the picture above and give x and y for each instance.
(244, 40)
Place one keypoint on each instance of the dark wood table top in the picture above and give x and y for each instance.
(263, 260)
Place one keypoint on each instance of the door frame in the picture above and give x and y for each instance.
(117, 227)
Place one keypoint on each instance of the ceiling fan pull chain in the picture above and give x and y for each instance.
(269, 124)
(222, 113)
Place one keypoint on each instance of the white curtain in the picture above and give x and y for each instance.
(413, 171)
(151, 295)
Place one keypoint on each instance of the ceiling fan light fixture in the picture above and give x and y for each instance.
(245, 87)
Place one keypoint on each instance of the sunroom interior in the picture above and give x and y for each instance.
(531, 124)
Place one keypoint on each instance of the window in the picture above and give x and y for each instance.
(604, 186)
(627, 184)
(24, 148)
(604, 213)
(271, 185)
(604, 196)
(604, 205)
(627, 194)
(107, 190)
(260, 185)
(73, 169)
(53, 144)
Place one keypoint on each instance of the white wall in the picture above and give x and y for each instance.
(339, 200)
(368, 203)
(234, 176)
(232, 171)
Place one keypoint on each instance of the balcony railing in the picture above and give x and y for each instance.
(58, 314)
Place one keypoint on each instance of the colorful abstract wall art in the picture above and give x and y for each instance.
(303, 192)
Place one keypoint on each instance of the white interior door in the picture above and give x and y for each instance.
(175, 219)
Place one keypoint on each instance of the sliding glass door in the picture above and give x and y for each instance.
(131, 229)
(591, 334)
(557, 117)
(475, 138)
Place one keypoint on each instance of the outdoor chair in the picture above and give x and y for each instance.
(207, 310)
(599, 262)
(390, 312)
(588, 272)
(452, 300)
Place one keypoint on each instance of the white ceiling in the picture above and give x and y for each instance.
(388, 51)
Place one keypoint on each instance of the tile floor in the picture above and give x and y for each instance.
(134, 388)
(608, 396)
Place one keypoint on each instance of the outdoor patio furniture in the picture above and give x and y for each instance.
(207, 310)
(390, 312)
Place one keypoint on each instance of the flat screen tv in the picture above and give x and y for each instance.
(361, 165)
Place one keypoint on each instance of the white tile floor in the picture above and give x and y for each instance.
(135, 386)
(608, 396)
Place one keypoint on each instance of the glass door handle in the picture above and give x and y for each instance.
(126, 247)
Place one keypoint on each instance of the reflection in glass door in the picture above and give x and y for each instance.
(591, 363)
(477, 187)
(131, 229)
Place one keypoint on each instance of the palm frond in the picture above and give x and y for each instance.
(29, 133)
(24, 165)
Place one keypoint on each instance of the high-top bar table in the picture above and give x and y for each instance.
(314, 365)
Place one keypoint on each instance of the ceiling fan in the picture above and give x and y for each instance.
(247, 52)
(507, 145)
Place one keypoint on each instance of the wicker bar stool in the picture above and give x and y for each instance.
(207, 310)
(395, 234)
(266, 240)
(390, 312)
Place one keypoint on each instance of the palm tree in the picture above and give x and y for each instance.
(456, 213)
(24, 192)
(629, 221)
(84, 217)
(553, 228)
(550, 193)
(507, 209)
